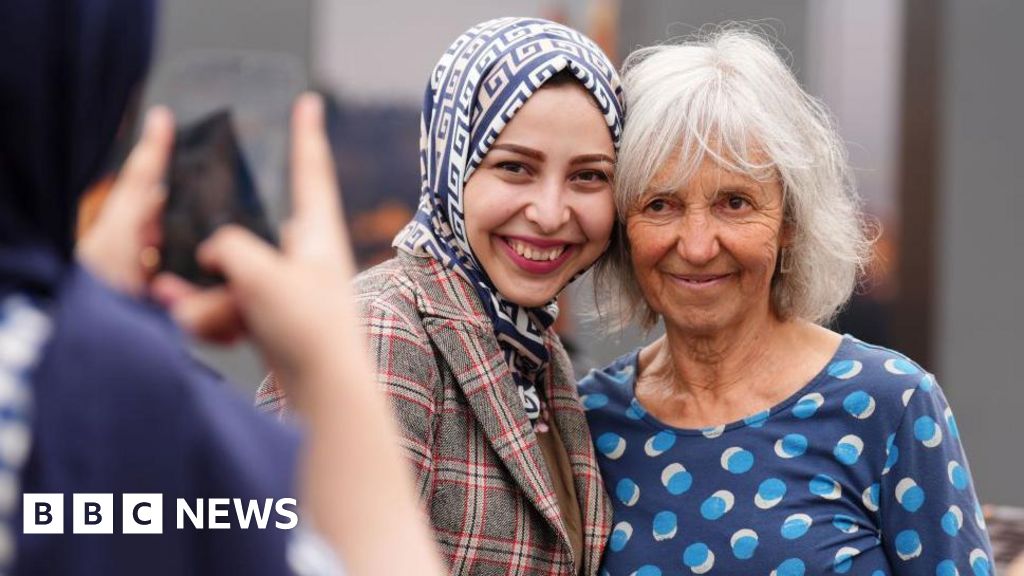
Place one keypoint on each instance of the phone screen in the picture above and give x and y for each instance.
(209, 184)
(229, 162)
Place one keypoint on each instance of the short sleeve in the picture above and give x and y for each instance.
(931, 520)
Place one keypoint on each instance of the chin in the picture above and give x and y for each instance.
(707, 324)
(526, 297)
(529, 301)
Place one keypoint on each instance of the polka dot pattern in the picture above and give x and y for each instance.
(24, 329)
(859, 472)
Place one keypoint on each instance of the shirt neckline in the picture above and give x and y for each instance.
(757, 418)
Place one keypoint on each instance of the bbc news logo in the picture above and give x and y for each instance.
(143, 514)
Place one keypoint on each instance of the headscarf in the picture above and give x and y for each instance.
(67, 71)
(476, 88)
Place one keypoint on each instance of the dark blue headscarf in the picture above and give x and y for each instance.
(67, 71)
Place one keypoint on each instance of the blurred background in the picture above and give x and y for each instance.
(927, 94)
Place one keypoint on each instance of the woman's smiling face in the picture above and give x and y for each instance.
(539, 208)
(704, 253)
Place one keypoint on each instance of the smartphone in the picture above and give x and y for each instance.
(209, 184)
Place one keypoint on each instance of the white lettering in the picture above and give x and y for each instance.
(281, 509)
(196, 517)
(252, 509)
(217, 508)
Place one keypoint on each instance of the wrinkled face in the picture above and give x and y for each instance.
(704, 253)
(539, 207)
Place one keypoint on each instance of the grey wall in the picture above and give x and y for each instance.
(981, 278)
(368, 50)
(276, 26)
(647, 22)
(858, 75)
(273, 25)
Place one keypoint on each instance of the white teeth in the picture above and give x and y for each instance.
(536, 254)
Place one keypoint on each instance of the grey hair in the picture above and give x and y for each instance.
(729, 97)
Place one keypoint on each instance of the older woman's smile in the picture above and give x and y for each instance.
(701, 281)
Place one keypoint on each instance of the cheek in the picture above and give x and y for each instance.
(759, 248)
(486, 205)
(596, 215)
(647, 246)
(768, 256)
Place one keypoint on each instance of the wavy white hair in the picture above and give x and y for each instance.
(729, 97)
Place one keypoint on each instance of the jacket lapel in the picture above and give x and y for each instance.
(480, 370)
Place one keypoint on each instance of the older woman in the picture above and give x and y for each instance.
(749, 439)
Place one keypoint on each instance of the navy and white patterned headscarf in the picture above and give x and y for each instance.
(479, 84)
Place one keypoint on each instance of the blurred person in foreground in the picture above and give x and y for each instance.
(749, 439)
(97, 391)
(520, 122)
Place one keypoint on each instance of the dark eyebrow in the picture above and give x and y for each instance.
(523, 150)
(538, 155)
(588, 158)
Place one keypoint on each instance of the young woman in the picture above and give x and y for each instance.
(520, 124)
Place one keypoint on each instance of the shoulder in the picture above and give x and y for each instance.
(871, 378)
(418, 289)
(116, 367)
(122, 342)
(613, 382)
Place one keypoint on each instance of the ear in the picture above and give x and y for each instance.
(787, 232)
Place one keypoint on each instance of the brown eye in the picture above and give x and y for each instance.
(657, 206)
(511, 167)
(592, 176)
(736, 203)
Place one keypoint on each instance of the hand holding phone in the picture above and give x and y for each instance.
(119, 245)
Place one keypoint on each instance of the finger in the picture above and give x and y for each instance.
(169, 289)
(240, 256)
(148, 160)
(314, 188)
(211, 315)
(151, 233)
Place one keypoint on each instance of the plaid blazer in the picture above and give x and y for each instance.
(479, 470)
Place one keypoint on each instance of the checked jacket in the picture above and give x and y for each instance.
(479, 470)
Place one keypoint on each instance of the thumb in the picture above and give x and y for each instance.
(147, 161)
(241, 257)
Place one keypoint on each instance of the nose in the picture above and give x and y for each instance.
(549, 208)
(698, 238)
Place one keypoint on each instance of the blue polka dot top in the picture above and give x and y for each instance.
(859, 472)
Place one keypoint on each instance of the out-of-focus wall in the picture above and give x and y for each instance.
(186, 26)
(269, 25)
(854, 65)
(980, 341)
(652, 22)
(368, 50)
